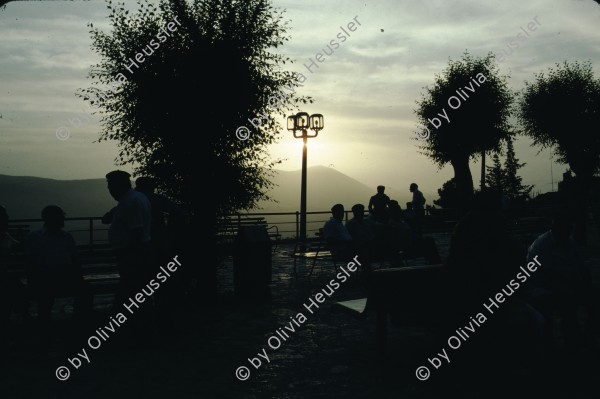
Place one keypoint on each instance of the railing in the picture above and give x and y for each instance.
(86, 232)
(89, 233)
(288, 223)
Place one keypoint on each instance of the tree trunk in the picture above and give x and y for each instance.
(464, 182)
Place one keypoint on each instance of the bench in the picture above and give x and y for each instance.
(227, 228)
(406, 295)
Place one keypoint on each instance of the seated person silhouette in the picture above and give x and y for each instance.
(360, 229)
(337, 237)
(403, 237)
(363, 233)
(400, 233)
(562, 282)
(53, 266)
(378, 205)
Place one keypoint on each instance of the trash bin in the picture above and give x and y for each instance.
(252, 263)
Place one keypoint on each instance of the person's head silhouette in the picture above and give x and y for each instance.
(380, 189)
(413, 187)
(358, 211)
(338, 212)
(53, 217)
(118, 183)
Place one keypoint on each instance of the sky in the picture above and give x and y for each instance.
(366, 90)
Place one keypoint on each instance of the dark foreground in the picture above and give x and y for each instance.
(331, 355)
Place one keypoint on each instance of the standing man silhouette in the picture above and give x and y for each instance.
(129, 232)
(418, 206)
(378, 205)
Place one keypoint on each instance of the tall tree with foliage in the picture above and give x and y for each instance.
(448, 195)
(561, 110)
(188, 75)
(506, 179)
(495, 178)
(513, 183)
(471, 102)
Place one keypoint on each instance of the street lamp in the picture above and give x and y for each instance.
(298, 124)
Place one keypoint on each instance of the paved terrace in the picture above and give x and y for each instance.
(332, 355)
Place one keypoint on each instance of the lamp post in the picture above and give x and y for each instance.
(298, 124)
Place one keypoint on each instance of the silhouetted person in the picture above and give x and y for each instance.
(129, 232)
(562, 281)
(129, 236)
(363, 233)
(399, 232)
(108, 216)
(336, 235)
(418, 206)
(378, 205)
(53, 266)
(359, 228)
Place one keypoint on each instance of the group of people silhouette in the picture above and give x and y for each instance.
(137, 234)
(387, 233)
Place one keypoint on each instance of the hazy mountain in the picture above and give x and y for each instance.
(326, 186)
(24, 197)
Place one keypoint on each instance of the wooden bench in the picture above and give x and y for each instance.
(407, 295)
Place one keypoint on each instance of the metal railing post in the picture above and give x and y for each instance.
(297, 224)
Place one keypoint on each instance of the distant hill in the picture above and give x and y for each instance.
(24, 197)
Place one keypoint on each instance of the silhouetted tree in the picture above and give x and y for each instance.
(494, 179)
(506, 179)
(477, 123)
(449, 197)
(513, 183)
(561, 109)
(177, 108)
